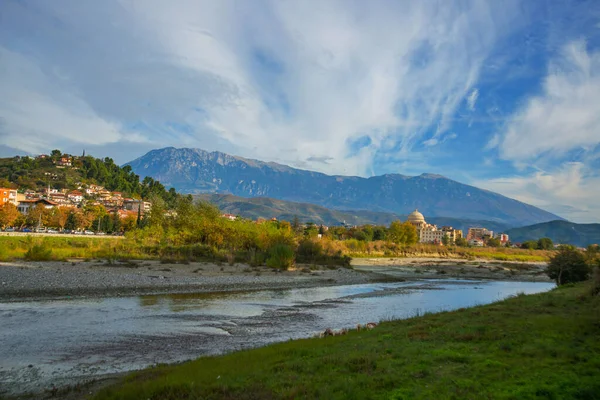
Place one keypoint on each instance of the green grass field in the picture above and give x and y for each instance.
(543, 346)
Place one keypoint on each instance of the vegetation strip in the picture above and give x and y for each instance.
(527, 347)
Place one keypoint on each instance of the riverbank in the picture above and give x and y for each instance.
(527, 347)
(99, 278)
(436, 268)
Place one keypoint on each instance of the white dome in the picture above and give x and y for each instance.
(415, 217)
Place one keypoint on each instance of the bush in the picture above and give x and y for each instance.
(256, 258)
(38, 252)
(567, 266)
(309, 251)
(281, 256)
(596, 280)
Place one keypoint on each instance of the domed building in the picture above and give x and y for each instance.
(417, 219)
(429, 233)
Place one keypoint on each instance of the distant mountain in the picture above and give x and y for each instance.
(198, 171)
(563, 232)
(262, 207)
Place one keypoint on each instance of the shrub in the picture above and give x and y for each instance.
(281, 256)
(596, 280)
(256, 258)
(567, 266)
(38, 252)
(309, 251)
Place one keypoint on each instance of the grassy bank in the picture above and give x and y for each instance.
(528, 347)
(325, 251)
(385, 250)
(56, 248)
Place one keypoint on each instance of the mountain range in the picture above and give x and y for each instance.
(197, 171)
(564, 232)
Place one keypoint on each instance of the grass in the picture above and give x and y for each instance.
(470, 253)
(61, 248)
(541, 346)
(48, 248)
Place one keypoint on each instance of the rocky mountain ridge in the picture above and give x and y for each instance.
(197, 171)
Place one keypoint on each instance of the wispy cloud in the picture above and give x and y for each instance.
(311, 76)
(339, 86)
(572, 190)
(472, 99)
(558, 132)
(564, 117)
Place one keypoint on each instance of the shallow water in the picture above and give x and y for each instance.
(65, 341)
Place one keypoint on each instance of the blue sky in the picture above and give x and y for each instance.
(504, 95)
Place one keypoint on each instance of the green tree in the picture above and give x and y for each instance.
(116, 222)
(360, 235)
(545, 244)
(295, 223)
(71, 223)
(379, 233)
(529, 245)
(445, 240)
(568, 265)
(493, 242)
(369, 232)
(461, 242)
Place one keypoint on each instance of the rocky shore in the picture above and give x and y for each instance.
(36, 280)
(436, 268)
(77, 278)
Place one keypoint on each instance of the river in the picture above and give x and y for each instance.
(65, 341)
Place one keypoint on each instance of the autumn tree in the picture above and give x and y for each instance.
(129, 223)
(8, 215)
(59, 217)
(402, 233)
(39, 215)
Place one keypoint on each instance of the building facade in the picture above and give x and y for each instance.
(479, 234)
(8, 196)
(429, 233)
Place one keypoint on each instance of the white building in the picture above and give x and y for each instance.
(429, 233)
(27, 205)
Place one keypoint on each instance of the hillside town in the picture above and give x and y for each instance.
(89, 197)
(117, 205)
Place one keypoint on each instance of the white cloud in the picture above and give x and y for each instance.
(564, 117)
(308, 76)
(472, 99)
(440, 139)
(557, 132)
(572, 191)
(35, 113)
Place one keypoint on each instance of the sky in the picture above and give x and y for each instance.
(502, 95)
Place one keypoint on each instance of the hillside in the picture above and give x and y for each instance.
(262, 207)
(64, 171)
(560, 232)
(197, 171)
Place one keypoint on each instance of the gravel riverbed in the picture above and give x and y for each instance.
(34, 280)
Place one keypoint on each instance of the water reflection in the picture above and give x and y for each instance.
(67, 338)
